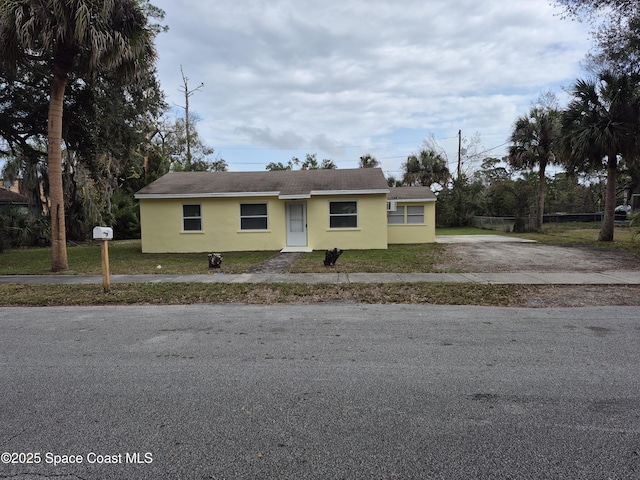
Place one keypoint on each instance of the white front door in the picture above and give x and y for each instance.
(297, 224)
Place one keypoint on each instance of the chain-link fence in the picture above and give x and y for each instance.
(506, 224)
(503, 224)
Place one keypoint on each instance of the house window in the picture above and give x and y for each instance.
(406, 215)
(343, 214)
(253, 216)
(415, 214)
(191, 218)
(396, 217)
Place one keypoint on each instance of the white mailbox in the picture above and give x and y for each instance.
(103, 233)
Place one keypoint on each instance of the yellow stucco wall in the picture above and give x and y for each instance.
(371, 232)
(162, 230)
(415, 233)
(162, 225)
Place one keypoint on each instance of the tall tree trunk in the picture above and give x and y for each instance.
(541, 189)
(606, 232)
(56, 195)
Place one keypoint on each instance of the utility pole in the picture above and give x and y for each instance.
(459, 154)
(187, 120)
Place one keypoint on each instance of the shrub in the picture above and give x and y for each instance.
(15, 228)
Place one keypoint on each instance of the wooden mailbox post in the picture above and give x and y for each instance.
(104, 234)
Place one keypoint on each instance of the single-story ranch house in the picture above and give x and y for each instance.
(290, 210)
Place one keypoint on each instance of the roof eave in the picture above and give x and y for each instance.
(297, 196)
(412, 200)
(205, 195)
(373, 191)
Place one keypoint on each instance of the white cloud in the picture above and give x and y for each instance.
(343, 78)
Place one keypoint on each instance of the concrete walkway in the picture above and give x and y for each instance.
(614, 277)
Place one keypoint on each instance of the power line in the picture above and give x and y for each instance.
(306, 147)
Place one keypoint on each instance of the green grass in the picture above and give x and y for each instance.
(397, 258)
(201, 293)
(624, 238)
(125, 257)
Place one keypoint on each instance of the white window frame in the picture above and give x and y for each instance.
(397, 215)
(186, 218)
(407, 215)
(250, 217)
(412, 217)
(344, 215)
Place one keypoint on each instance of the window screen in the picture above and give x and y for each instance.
(253, 216)
(191, 218)
(343, 214)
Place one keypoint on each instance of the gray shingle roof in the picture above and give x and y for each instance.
(7, 196)
(283, 183)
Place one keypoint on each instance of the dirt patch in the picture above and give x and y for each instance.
(532, 257)
(565, 296)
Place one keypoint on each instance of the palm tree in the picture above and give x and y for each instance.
(601, 124)
(535, 138)
(368, 161)
(87, 37)
(426, 168)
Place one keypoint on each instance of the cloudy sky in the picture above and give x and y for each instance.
(341, 78)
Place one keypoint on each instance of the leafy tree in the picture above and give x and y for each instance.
(426, 168)
(106, 141)
(89, 37)
(368, 161)
(106, 131)
(535, 140)
(616, 31)
(616, 24)
(273, 166)
(328, 164)
(491, 171)
(125, 217)
(393, 182)
(458, 204)
(630, 178)
(310, 163)
(23, 126)
(186, 150)
(500, 196)
(601, 125)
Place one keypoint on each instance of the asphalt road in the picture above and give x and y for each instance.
(319, 392)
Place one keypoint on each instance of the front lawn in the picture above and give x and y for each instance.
(125, 257)
(397, 258)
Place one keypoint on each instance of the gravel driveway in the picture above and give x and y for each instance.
(500, 255)
(518, 257)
